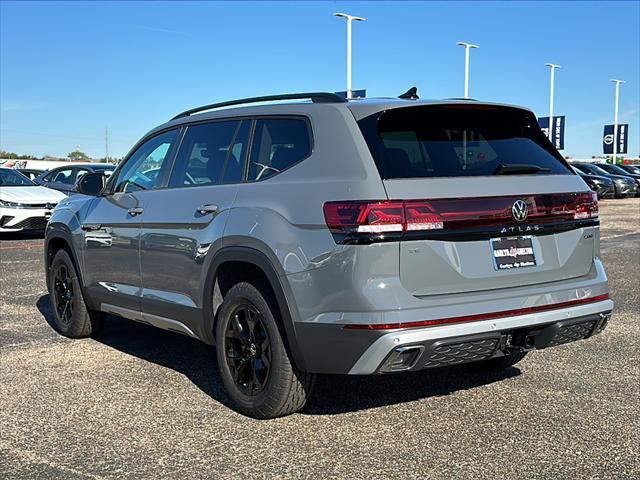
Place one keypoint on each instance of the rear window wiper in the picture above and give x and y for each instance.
(519, 169)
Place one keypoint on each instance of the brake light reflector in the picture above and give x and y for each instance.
(478, 317)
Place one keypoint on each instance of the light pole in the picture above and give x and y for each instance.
(350, 18)
(615, 120)
(467, 47)
(553, 67)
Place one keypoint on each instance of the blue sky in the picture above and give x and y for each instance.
(70, 69)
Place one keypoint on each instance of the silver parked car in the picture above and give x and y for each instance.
(331, 236)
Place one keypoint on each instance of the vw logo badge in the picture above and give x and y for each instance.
(519, 210)
(48, 206)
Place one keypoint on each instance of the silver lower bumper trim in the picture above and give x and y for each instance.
(371, 359)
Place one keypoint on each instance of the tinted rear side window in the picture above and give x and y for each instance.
(278, 143)
(203, 153)
(457, 140)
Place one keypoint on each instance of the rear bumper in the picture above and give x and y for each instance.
(334, 349)
(473, 342)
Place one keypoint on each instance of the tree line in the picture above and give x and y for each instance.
(76, 156)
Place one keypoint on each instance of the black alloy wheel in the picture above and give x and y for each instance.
(63, 294)
(248, 349)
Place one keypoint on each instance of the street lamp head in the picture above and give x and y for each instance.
(467, 45)
(617, 81)
(552, 65)
(349, 17)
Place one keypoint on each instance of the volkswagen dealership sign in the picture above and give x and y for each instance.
(557, 133)
(607, 139)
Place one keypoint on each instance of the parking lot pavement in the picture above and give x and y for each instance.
(143, 403)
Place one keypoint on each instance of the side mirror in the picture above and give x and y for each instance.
(91, 184)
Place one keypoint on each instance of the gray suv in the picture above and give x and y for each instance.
(326, 236)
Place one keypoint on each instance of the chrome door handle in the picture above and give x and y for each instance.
(206, 209)
(135, 211)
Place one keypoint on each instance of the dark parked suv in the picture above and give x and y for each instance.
(618, 170)
(331, 236)
(624, 185)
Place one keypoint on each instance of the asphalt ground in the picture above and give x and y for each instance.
(143, 403)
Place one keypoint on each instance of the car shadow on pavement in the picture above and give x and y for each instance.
(191, 357)
(333, 394)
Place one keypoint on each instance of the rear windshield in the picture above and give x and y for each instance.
(459, 141)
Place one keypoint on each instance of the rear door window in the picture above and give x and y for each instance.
(206, 151)
(458, 140)
(278, 143)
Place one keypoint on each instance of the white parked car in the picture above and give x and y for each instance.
(23, 204)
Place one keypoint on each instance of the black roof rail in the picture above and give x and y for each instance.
(315, 97)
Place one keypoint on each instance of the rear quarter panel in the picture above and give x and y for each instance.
(284, 212)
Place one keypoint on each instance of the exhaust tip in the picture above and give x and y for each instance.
(402, 358)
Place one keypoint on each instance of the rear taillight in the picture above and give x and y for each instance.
(381, 217)
(466, 218)
(586, 206)
(370, 217)
(422, 216)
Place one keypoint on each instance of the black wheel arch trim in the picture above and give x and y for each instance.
(60, 232)
(275, 276)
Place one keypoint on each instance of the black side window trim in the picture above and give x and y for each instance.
(181, 131)
(226, 160)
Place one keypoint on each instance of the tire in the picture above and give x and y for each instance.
(499, 364)
(71, 316)
(255, 368)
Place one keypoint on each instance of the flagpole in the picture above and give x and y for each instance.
(615, 121)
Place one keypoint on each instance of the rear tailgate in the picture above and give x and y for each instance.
(460, 258)
(488, 202)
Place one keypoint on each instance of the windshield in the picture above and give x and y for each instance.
(595, 170)
(617, 169)
(459, 141)
(11, 178)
